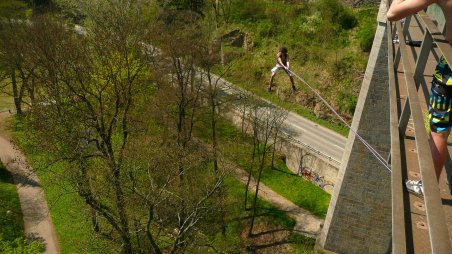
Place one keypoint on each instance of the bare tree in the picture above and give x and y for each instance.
(266, 121)
(15, 40)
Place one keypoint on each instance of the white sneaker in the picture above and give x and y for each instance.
(395, 41)
(415, 187)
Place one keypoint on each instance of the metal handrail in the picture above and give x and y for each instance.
(398, 213)
(438, 232)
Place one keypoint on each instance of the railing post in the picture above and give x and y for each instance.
(421, 61)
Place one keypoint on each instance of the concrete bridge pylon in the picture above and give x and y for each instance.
(359, 215)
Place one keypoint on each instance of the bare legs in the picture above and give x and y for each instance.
(293, 83)
(271, 82)
(438, 146)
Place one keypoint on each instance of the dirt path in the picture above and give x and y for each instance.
(37, 221)
(306, 223)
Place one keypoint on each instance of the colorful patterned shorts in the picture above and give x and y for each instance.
(439, 107)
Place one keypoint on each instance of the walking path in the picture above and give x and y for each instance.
(306, 223)
(37, 221)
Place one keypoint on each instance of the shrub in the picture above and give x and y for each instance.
(265, 28)
(367, 26)
(347, 19)
(20, 246)
(347, 102)
(366, 37)
(249, 10)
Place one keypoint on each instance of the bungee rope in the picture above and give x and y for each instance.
(366, 144)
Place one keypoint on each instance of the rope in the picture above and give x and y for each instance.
(366, 144)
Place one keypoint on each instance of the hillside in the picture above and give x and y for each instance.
(328, 46)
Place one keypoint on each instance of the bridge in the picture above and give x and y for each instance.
(370, 210)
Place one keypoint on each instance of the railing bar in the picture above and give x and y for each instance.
(406, 26)
(398, 207)
(439, 235)
(438, 38)
(420, 24)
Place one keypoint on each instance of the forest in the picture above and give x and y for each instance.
(118, 106)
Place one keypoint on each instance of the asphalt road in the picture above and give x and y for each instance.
(317, 138)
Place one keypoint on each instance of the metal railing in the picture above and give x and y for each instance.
(414, 78)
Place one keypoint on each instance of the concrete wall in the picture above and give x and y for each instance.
(359, 215)
(299, 155)
(296, 154)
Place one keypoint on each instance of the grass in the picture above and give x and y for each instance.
(70, 217)
(289, 105)
(68, 211)
(6, 102)
(269, 218)
(296, 189)
(11, 222)
(12, 230)
(324, 51)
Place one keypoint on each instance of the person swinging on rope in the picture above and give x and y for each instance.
(282, 63)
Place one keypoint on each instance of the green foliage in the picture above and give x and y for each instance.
(348, 102)
(69, 212)
(12, 9)
(192, 5)
(347, 19)
(265, 28)
(324, 41)
(249, 10)
(366, 31)
(20, 246)
(300, 241)
(70, 216)
(336, 13)
(11, 223)
(366, 37)
(280, 179)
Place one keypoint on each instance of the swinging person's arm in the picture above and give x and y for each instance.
(280, 61)
(402, 8)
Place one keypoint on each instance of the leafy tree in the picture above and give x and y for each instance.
(88, 87)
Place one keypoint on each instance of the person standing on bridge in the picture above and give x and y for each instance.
(282, 63)
(439, 113)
